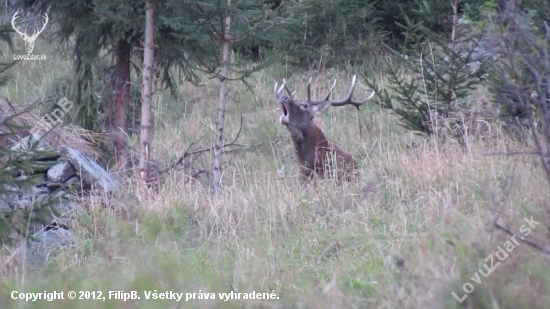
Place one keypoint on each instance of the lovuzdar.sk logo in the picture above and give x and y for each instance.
(29, 39)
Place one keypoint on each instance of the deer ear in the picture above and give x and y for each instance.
(321, 107)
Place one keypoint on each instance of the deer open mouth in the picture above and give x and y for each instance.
(284, 117)
(285, 111)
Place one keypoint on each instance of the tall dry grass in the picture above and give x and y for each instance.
(415, 228)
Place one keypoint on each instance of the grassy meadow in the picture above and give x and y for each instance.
(416, 227)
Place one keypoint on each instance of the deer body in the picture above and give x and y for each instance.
(315, 154)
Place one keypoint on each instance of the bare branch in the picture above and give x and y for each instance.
(521, 238)
(188, 153)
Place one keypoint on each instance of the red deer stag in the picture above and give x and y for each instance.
(315, 153)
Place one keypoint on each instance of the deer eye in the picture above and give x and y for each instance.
(303, 105)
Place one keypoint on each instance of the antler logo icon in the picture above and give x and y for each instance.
(29, 40)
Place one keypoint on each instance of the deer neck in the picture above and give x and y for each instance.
(307, 139)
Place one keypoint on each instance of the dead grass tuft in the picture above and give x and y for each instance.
(60, 136)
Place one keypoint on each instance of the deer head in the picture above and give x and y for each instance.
(29, 40)
(315, 153)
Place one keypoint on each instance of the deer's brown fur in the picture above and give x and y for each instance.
(316, 155)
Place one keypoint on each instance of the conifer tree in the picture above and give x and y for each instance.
(20, 169)
(429, 86)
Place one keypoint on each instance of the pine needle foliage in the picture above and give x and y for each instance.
(521, 83)
(428, 88)
(20, 170)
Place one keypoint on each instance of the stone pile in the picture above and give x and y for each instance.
(60, 179)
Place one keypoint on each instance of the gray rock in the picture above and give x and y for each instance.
(4, 205)
(66, 211)
(59, 194)
(7, 194)
(10, 188)
(19, 198)
(48, 245)
(49, 188)
(20, 201)
(75, 180)
(60, 207)
(90, 172)
(30, 141)
(60, 172)
(40, 190)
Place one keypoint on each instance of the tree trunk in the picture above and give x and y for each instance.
(218, 146)
(147, 89)
(121, 100)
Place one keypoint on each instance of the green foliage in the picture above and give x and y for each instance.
(199, 26)
(393, 15)
(520, 85)
(431, 85)
(328, 33)
(20, 171)
(5, 31)
(521, 78)
(186, 36)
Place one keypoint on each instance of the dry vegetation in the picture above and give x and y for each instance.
(416, 228)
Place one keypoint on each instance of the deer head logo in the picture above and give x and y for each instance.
(315, 153)
(29, 39)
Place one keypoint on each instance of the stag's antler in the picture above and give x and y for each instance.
(15, 16)
(43, 26)
(348, 100)
(278, 91)
(326, 97)
(35, 33)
